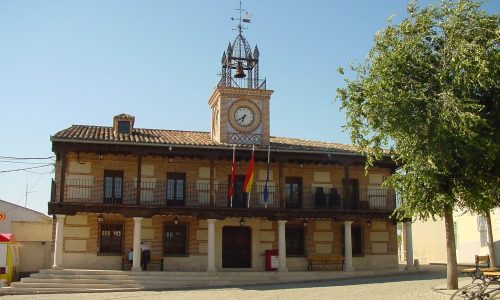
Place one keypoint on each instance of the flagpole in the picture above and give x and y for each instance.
(233, 171)
(250, 192)
(266, 191)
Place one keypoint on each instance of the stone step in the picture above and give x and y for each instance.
(76, 280)
(102, 285)
(20, 290)
(78, 271)
(80, 276)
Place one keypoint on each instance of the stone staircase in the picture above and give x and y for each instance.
(73, 281)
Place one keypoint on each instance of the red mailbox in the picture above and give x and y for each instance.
(272, 260)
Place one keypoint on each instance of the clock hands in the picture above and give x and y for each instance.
(242, 118)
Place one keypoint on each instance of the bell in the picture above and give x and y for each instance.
(239, 71)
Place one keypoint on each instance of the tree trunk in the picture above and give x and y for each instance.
(490, 240)
(451, 251)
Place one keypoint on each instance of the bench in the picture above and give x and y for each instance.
(481, 262)
(325, 260)
(154, 260)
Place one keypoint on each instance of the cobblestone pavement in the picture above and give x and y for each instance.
(427, 286)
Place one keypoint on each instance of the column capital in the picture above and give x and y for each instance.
(282, 222)
(348, 222)
(60, 217)
(137, 219)
(211, 221)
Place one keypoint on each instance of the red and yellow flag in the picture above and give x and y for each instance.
(247, 184)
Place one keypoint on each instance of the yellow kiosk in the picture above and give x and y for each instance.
(9, 259)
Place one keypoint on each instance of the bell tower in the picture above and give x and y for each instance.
(240, 101)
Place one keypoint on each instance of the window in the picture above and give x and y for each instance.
(175, 240)
(176, 184)
(110, 238)
(123, 126)
(295, 240)
(293, 192)
(113, 186)
(482, 227)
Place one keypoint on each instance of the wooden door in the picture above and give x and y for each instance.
(353, 190)
(236, 247)
(239, 196)
(113, 186)
(293, 192)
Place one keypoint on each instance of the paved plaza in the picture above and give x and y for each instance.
(428, 285)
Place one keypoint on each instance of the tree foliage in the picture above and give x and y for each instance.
(429, 90)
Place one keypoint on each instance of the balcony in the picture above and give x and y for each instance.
(197, 195)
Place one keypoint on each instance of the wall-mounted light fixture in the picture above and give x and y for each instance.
(301, 165)
(242, 222)
(238, 163)
(369, 223)
(170, 159)
(305, 223)
(100, 156)
(176, 221)
(100, 218)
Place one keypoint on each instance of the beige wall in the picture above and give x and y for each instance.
(34, 256)
(32, 231)
(429, 238)
(16, 213)
(34, 240)
(429, 241)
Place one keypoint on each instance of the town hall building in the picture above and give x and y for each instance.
(183, 193)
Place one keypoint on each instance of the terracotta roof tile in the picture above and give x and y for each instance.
(85, 133)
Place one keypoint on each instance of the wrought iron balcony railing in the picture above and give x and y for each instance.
(248, 83)
(198, 195)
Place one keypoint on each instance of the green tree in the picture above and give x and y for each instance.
(429, 90)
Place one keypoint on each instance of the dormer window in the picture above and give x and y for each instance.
(123, 126)
(123, 123)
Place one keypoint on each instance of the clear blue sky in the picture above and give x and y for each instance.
(82, 62)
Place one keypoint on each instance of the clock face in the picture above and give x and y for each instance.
(244, 116)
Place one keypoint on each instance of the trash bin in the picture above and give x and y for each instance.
(272, 260)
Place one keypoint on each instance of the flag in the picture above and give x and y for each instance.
(233, 172)
(247, 185)
(266, 189)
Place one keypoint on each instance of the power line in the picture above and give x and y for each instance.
(15, 170)
(22, 162)
(32, 172)
(19, 158)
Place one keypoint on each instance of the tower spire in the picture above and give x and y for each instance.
(246, 18)
(239, 65)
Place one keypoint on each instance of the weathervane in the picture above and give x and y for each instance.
(240, 59)
(247, 18)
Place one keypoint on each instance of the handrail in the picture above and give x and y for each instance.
(198, 195)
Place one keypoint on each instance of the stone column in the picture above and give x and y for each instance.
(409, 247)
(211, 246)
(59, 243)
(136, 264)
(348, 246)
(282, 246)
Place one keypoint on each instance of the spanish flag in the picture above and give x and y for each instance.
(247, 185)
